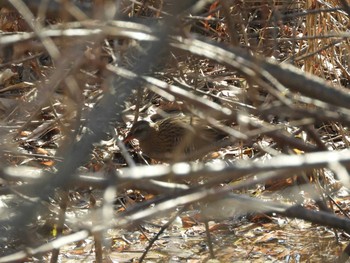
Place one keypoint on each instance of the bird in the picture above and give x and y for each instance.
(180, 138)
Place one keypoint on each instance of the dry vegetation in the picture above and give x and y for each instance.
(75, 75)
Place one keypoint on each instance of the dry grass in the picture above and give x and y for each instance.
(276, 72)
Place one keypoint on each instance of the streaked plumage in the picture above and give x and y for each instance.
(174, 138)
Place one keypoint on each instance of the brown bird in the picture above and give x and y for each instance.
(175, 138)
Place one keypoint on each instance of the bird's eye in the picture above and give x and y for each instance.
(138, 130)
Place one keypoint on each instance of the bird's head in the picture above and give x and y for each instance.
(140, 131)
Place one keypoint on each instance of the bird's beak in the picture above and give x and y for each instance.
(128, 138)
